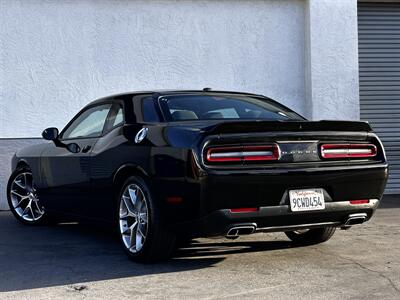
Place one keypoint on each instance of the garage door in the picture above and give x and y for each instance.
(379, 58)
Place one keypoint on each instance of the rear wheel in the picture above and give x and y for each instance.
(23, 199)
(183, 241)
(143, 234)
(311, 236)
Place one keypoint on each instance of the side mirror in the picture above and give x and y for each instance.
(50, 134)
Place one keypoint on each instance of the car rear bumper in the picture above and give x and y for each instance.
(206, 200)
(223, 222)
(270, 187)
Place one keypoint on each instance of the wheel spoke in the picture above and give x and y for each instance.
(141, 229)
(26, 210)
(143, 217)
(123, 215)
(133, 196)
(18, 194)
(139, 239)
(139, 207)
(126, 231)
(31, 210)
(19, 184)
(133, 233)
(38, 208)
(28, 182)
(20, 201)
(24, 175)
(128, 204)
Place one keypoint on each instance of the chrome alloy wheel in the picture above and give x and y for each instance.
(24, 198)
(133, 218)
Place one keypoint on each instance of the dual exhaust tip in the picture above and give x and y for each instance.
(355, 219)
(245, 229)
(236, 231)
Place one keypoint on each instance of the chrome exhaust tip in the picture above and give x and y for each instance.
(355, 219)
(236, 231)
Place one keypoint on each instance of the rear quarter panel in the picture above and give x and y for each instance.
(161, 158)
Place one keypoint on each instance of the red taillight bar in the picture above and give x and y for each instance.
(355, 202)
(244, 209)
(348, 150)
(243, 153)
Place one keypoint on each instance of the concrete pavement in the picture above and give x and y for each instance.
(73, 261)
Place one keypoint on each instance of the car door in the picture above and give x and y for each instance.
(106, 156)
(66, 174)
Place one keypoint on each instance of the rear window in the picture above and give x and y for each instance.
(210, 107)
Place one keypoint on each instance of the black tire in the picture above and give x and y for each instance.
(183, 241)
(42, 220)
(311, 236)
(159, 241)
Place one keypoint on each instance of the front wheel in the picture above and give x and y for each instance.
(311, 236)
(23, 199)
(143, 233)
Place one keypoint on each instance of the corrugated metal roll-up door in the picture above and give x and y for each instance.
(379, 58)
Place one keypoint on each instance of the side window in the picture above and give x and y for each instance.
(115, 117)
(149, 110)
(90, 123)
(119, 117)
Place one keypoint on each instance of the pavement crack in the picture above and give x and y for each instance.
(364, 268)
(78, 288)
(247, 292)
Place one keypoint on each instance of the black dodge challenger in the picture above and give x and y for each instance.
(168, 166)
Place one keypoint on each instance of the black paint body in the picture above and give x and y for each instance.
(171, 159)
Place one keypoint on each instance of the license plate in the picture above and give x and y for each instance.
(305, 200)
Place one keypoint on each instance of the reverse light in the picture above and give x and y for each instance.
(244, 209)
(355, 202)
(330, 151)
(243, 153)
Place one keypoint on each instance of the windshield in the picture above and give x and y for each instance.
(211, 107)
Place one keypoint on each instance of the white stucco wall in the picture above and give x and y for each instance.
(332, 59)
(57, 56)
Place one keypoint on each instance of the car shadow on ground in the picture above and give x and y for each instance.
(72, 254)
(222, 248)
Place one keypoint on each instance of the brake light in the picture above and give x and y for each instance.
(244, 209)
(243, 153)
(359, 202)
(330, 151)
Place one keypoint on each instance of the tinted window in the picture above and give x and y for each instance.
(115, 118)
(149, 110)
(206, 107)
(90, 123)
(119, 117)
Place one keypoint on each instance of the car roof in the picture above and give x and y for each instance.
(129, 95)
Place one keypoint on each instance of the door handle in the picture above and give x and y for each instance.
(86, 148)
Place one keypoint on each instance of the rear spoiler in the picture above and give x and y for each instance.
(262, 126)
